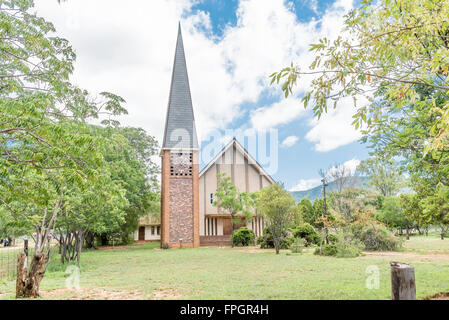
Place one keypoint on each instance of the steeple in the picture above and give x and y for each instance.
(180, 130)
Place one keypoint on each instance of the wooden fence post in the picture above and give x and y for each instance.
(402, 281)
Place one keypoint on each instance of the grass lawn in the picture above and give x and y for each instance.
(145, 272)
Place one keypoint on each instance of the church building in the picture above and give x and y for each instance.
(188, 217)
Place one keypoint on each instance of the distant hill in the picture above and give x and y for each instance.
(315, 193)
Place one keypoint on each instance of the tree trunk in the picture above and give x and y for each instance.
(90, 240)
(419, 230)
(408, 232)
(27, 285)
(276, 246)
(104, 240)
(402, 281)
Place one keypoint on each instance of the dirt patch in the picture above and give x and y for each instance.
(166, 294)
(91, 294)
(438, 296)
(409, 255)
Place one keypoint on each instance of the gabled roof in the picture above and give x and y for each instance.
(180, 130)
(245, 154)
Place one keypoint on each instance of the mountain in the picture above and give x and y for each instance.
(316, 192)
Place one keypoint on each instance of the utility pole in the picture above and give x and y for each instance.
(325, 207)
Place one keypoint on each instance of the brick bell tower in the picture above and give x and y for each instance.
(180, 182)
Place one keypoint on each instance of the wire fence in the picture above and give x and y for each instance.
(8, 262)
(8, 259)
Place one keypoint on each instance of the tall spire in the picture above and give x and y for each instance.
(180, 130)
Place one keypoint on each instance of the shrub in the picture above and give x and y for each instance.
(266, 241)
(327, 250)
(243, 236)
(345, 246)
(308, 233)
(376, 237)
(297, 245)
(332, 238)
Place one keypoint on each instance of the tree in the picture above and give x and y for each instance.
(384, 175)
(130, 158)
(45, 142)
(389, 45)
(413, 210)
(277, 206)
(436, 208)
(229, 199)
(304, 212)
(393, 215)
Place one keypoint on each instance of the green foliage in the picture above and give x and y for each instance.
(332, 238)
(345, 245)
(243, 236)
(376, 237)
(388, 46)
(308, 233)
(391, 213)
(233, 202)
(384, 175)
(327, 250)
(57, 172)
(278, 207)
(436, 208)
(305, 212)
(266, 241)
(297, 246)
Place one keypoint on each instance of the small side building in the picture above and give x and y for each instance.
(149, 228)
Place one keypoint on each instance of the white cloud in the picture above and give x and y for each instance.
(350, 166)
(129, 50)
(306, 184)
(279, 113)
(289, 141)
(335, 128)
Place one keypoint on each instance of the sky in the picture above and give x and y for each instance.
(231, 47)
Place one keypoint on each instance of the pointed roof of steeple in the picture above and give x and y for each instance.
(180, 130)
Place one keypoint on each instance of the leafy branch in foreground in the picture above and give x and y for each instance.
(390, 46)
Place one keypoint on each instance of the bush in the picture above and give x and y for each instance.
(332, 238)
(345, 246)
(266, 241)
(376, 237)
(327, 250)
(297, 245)
(308, 233)
(243, 236)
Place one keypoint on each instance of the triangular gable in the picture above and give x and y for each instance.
(244, 152)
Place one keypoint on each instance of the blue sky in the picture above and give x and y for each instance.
(301, 161)
(231, 49)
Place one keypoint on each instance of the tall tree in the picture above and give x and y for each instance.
(436, 208)
(45, 142)
(277, 206)
(384, 175)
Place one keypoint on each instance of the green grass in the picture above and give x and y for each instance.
(226, 273)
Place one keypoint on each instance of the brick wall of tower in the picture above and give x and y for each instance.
(181, 210)
(180, 205)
